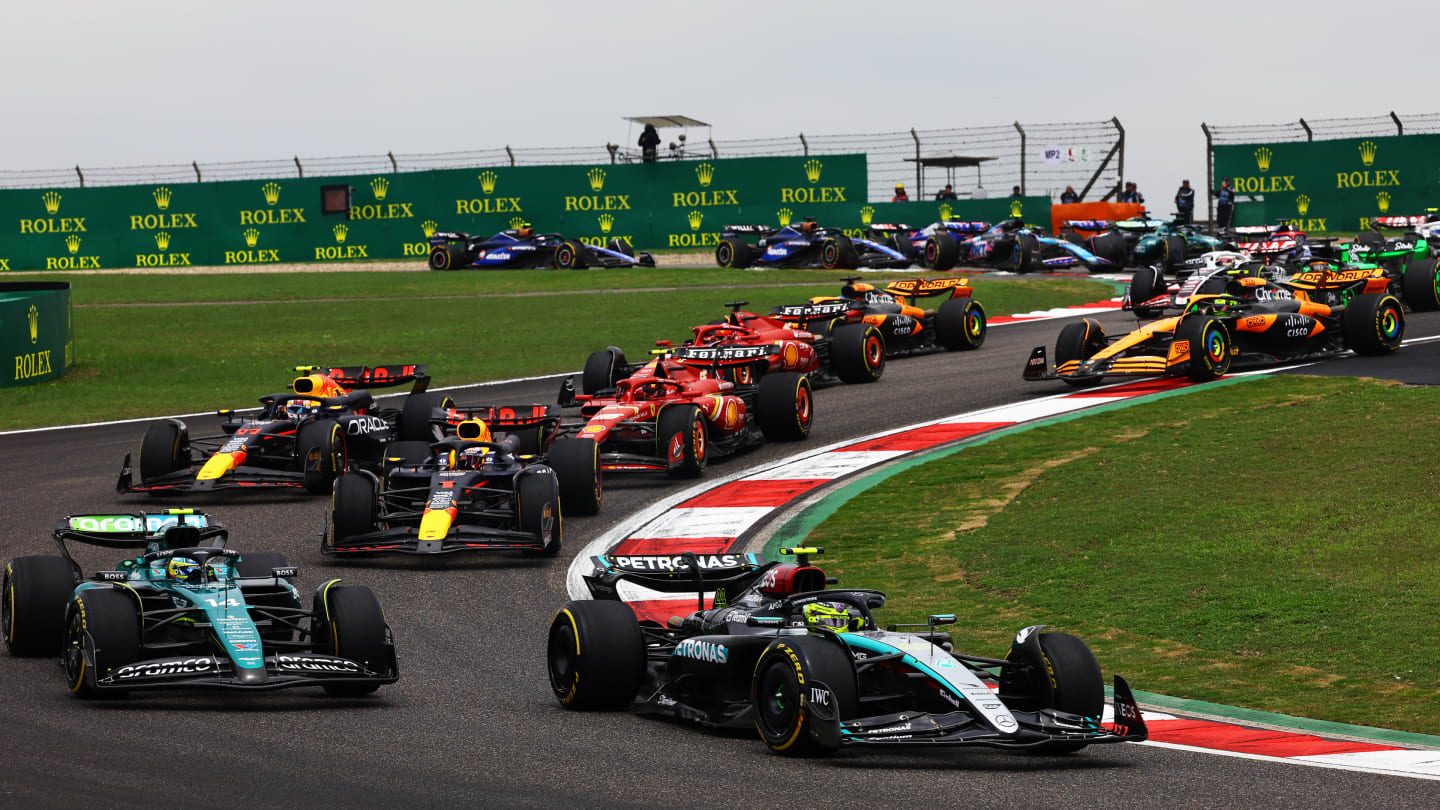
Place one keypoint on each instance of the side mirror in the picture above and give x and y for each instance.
(941, 618)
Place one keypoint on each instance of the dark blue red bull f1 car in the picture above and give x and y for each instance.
(523, 248)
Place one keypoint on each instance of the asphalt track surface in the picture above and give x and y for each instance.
(472, 722)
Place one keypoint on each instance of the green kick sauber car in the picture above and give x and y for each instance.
(189, 613)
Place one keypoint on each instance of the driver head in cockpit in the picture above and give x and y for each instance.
(837, 617)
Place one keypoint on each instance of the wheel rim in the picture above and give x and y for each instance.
(932, 252)
(778, 701)
(874, 352)
(802, 405)
(1389, 324)
(1215, 346)
(974, 324)
(697, 430)
(830, 254)
(723, 253)
(74, 655)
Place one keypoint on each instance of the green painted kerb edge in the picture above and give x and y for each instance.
(37, 339)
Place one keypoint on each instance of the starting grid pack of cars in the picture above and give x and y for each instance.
(776, 647)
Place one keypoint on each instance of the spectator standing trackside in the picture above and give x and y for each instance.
(1185, 204)
(649, 142)
(1224, 205)
(1015, 192)
(1132, 194)
(900, 195)
(1069, 196)
(947, 193)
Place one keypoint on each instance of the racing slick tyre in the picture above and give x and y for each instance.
(353, 507)
(960, 324)
(1421, 286)
(905, 247)
(32, 604)
(857, 353)
(405, 454)
(105, 624)
(537, 508)
(446, 257)
(1022, 257)
(595, 655)
(1373, 323)
(320, 447)
(1110, 245)
(941, 252)
(837, 252)
(602, 370)
(802, 688)
(163, 450)
(1209, 347)
(682, 440)
(1072, 236)
(1147, 283)
(1076, 683)
(576, 462)
(1172, 253)
(527, 440)
(349, 623)
(1370, 239)
(415, 416)
(733, 252)
(824, 330)
(785, 406)
(621, 245)
(1078, 341)
(567, 256)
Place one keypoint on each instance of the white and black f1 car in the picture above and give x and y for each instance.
(812, 670)
(522, 248)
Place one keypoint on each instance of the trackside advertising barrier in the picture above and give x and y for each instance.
(37, 339)
(1332, 185)
(658, 206)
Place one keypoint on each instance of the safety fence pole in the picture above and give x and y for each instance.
(1021, 130)
(804, 144)
(1209, 171)
(298, 167)
(81, 174)
(919, 168)
(1399, 127)
(394, 167)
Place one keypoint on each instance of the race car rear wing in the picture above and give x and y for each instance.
(674, 573)
(924, 288)
(731, 230)
(509, 416)
(1088, 224)
(887, 228)
(803, 314)
(385, 375)
(958, 226)
(710, 356)
(1405, 222)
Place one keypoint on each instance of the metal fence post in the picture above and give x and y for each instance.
(510, 153)
(714, 153)
(1209, 172)
(394, 167)
(1399, 127)
(919, 171)
(1121, 182)
(1021, 130)
(298, 167)
(195, 164)
(82, 175)
(805, 144)
(1309, 136)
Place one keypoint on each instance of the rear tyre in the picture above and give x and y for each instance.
(941, 252)
(786, 406)
(1209, 347)
(105, 625)
(566, 256)
(1420, 286)
(1075, 680)
(857, 353)
(415, 416)
(1172, 252)
(405, 454)
(353, 628)
(960, 324)
(683, 441)
(595, 655)
(801, 685)
(1110, 245)
(1147, 283)
(537, 506)
(576, 463)
(837, 252)
(163, 450)
(353, 507)
(445, 257)
(1022, 257)
(32, 604)
(733, 252)
(329, 439)
(1078, 341)
(1071, 236)
(1374, 323)
(602, 370)
(905, 247)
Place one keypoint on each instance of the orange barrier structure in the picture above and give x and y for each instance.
(1092, 210)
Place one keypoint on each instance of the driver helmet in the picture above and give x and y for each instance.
(182, 568)
(809, 225)
(469, 459)
(834, 616)
(297, 409)
(525, 231)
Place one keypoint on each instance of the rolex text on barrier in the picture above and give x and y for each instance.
(37, 339)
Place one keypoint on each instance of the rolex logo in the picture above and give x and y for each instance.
(1383, 200)
(597, 179)
(162, 240)
(1016, 207)
(487, 181)
(705, 173)
(606, 223)
(340, 232)
(252, 237)
(380, 186)
(517, 222)
(945, 211)
(867, 215)
(271, 192)
(1367, 153)
(812, 170)
(1262, 158)
(52, 202)
(72, 242)
(428, 226)
(784, 215)
(695, 218)
(34, 315)
(162, 197)
(1302, 205)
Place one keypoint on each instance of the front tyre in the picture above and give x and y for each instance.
(803, 687)
(942, 251)
(1147, 283)
(352, 627)
(595, 655)
(733, 253)
(683, 441)
(537, 509)
(960, 325)
(576, 462)
(1374, 324)
(1022, 258)
(32, 604)
(785, 406)
(602, 370)
(1421, 285)
(163, 450)
(1076, 683)
(102, 634)
(328, 438)
(353, 507)
(415, 416)
(1209, 347)
(857, 353)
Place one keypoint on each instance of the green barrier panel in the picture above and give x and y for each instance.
(657, 206)
(35, 332)
(1332, 185)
